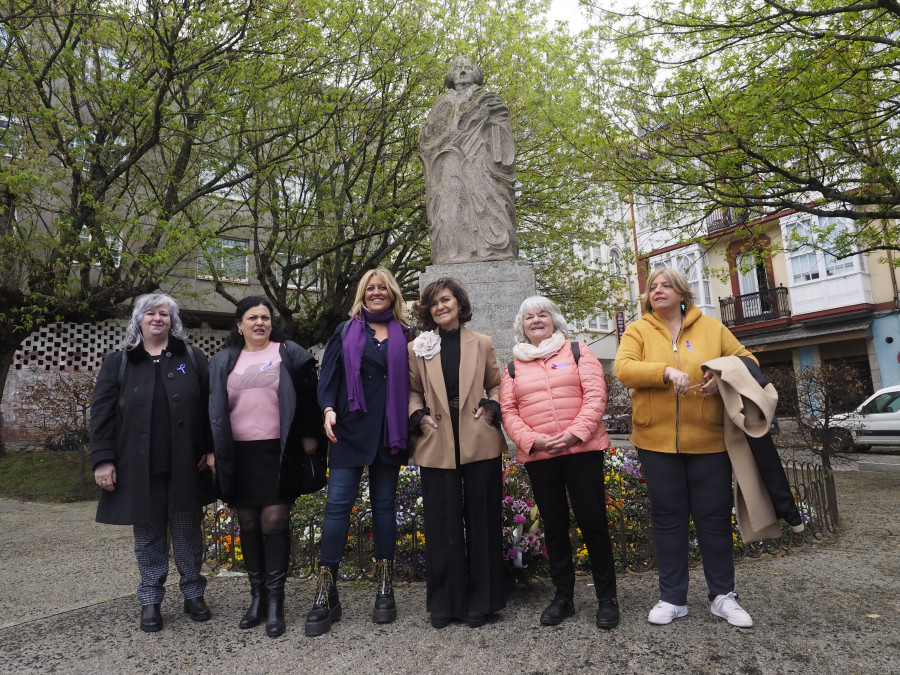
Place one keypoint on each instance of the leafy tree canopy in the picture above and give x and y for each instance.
(720, 110)
(134, 134)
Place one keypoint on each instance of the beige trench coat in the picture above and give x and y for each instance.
(479, 377)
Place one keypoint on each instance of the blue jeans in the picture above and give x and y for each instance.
(343, 484)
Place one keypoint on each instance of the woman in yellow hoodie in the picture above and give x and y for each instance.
(677, 418)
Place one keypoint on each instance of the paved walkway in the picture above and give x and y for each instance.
(67, 606)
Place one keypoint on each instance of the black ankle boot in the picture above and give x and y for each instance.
(254, 561)
(385, 610)
(151, 618)
(277, 551)
(326, 607)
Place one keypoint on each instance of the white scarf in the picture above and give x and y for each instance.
(525, 351)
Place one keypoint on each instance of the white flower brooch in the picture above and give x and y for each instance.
(427, 344)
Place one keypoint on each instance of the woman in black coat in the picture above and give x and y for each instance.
(364, 393)
(149, 439)
(262, 407)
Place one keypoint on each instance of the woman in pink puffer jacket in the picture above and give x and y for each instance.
(553, 411)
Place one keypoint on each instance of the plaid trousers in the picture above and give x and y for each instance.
(151, 546)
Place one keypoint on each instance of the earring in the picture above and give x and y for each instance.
(683, 308)
(240, 332)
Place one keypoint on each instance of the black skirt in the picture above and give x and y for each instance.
(257, 472)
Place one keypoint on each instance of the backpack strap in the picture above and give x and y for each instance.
(193, 359)
(576, 352)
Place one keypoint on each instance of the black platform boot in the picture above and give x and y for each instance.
(326, 607)
(385, 610)
(277, 552)
(254, 561)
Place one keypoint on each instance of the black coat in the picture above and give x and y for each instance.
(121, 423)
(359, 434)
(300, 417)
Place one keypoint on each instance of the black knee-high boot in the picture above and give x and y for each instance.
(277, 551)
(254, 561)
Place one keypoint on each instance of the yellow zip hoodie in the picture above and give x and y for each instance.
(661, 420)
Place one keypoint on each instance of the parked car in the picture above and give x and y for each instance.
(875, 422)
(617, 423)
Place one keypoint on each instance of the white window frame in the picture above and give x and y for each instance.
(113, 243)
(11, 127)
(217, 253)
(692, 263)
(809, 265)
(232, 192)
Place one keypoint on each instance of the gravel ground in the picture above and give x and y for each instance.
(67, 606)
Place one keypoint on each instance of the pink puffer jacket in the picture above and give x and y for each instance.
(551, 395)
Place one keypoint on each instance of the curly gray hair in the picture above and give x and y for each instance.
(133, 335)
(539, 302)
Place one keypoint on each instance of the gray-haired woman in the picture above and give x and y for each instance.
(149, 438)
(553, 398)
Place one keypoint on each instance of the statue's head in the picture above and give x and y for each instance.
(463, 72)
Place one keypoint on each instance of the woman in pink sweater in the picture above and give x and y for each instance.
(553, 404)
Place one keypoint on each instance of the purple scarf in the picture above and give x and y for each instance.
(397, 401)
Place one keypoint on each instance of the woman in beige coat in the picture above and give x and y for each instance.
(455, 417)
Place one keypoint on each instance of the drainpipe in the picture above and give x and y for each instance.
(890, 257)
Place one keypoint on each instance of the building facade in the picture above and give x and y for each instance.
(785, 298)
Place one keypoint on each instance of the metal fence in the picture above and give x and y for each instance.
(629, 523)
(767, 305)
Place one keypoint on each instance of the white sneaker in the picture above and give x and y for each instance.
(665, 612)
(727, 607)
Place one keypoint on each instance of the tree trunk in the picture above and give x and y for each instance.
(7, 352)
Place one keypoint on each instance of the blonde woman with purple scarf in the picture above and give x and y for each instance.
(363, 392)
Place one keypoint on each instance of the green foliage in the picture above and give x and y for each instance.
(137, 134)
(753, 108)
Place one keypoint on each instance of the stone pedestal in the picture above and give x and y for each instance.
(496, 289)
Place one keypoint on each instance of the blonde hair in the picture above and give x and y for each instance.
(393, 289)
(679, 284)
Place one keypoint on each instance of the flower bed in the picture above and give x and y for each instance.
(524, 552)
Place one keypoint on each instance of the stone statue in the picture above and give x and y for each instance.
(467, 150)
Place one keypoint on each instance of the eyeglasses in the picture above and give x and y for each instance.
(694, 389)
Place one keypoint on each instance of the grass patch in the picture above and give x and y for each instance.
(45, 477)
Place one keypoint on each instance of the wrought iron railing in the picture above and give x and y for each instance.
(774, 303)
(725, 217)
(630, 529)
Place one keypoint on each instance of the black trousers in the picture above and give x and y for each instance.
(683, 486)
(579, 475)
(464, 539)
